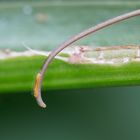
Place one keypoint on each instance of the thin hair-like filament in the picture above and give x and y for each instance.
(39, 77)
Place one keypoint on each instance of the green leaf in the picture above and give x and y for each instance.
(17, 75)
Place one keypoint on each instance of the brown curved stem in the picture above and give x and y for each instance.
(39, 77)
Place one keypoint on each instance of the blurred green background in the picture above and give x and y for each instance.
(97, 114)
